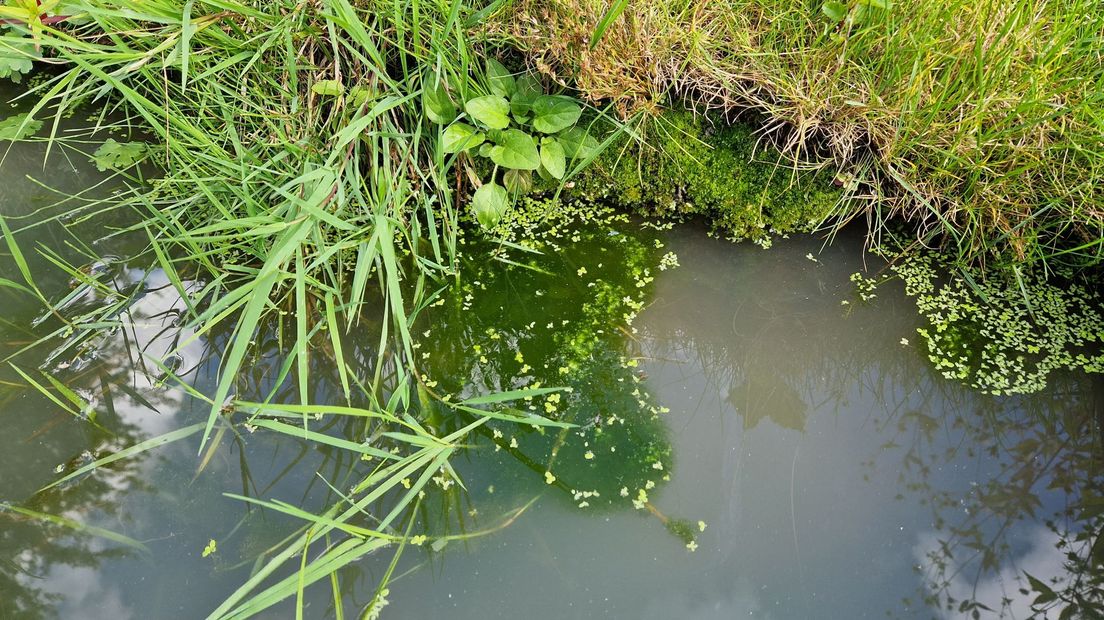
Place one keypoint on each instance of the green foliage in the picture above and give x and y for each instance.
(112, 155)
(978, 122)
(490, 203)
(18, 127)
(436, 103)
(590, 274)
(686, 167)
(493, 111)
(461, 136)
(1003, 332)
(328, 88)
(855, 12)
(505, 123)
(554, 114)
(17, 58)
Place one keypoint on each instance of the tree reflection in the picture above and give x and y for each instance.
(559, 322)
(1029, 464)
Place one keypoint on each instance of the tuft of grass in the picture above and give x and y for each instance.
(977, 122)
(300, 187)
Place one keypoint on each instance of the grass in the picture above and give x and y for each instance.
(300, 185)
(979, 123)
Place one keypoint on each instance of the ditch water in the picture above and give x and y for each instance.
(750, 440)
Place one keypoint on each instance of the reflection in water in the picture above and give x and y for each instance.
(834, 474)
(1002, 480)
(615, 453)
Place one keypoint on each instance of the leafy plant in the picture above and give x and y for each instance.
(18, 127)
(114, 155)
(28, 12)
(518, 127)
(16, 59)
(854, 11)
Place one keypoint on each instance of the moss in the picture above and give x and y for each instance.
(691, 168)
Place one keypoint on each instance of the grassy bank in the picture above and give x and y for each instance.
(319, 160)
(303, 192)
(979, 123)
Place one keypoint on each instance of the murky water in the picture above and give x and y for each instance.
(750, 441)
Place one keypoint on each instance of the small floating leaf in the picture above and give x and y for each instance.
(18, 127)
(114, 155)
(211, 547)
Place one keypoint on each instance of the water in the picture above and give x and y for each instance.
(809, 437)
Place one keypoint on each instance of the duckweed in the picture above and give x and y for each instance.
(1001, 332)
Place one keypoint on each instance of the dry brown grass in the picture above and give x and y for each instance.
(977, 120)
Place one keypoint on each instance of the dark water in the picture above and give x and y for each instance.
(749, 445)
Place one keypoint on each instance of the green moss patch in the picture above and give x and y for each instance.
(689, 167)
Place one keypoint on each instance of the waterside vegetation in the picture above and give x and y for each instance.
(326, 165)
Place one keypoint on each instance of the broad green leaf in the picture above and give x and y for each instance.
(499, 79)
(328, 88)
(485, 149)
(18, 127)
(490, 203)
(16, 59)
(554, 113)
(461, 137)
(521, 104)
(518, 181)
(552, 157)
(835, 11)
(858, 16)
(528, 89)
(360, 95)
(114, 155)
(516, 150)
(577, 143)
(491, 110)
(437, 105)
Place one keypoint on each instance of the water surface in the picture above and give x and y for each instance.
(751, 440)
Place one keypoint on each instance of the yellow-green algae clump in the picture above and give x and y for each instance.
(690, 166)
